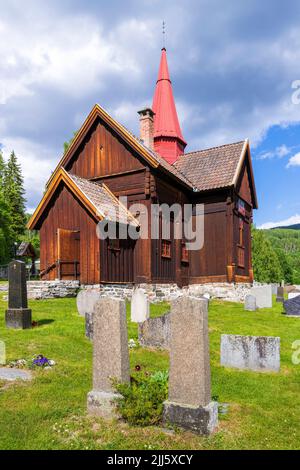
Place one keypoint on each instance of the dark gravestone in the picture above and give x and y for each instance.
(280, 294)
(18, 315)
(292, 306)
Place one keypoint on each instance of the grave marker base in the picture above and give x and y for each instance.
(102, 404)
(201, 420)
(18, 318)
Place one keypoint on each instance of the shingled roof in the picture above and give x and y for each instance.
(212, 168)
(104, 201)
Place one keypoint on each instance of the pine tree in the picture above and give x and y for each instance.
(5, 233)
(14, 195)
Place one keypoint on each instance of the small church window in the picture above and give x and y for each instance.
(241, 232)
(166, 249)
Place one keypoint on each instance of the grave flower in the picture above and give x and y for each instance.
(42, 361)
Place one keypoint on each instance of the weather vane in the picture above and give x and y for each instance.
(164, 33)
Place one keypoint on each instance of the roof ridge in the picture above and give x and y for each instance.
(212, 148)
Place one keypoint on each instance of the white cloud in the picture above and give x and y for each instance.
(295, 219)
(279, 152)
(294, 161)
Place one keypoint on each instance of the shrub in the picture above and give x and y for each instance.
(142, 400)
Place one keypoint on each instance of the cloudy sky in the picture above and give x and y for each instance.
(232, 65)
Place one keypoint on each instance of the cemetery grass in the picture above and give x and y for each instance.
(50, 411)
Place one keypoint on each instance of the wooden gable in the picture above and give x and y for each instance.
(245, 186)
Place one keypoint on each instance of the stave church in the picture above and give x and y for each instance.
(106, 161)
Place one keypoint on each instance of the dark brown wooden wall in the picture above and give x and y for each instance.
(103, 153)
(67, 212)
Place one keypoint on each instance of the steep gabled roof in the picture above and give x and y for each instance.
(148, 155)
(96, 197)
(217, 167)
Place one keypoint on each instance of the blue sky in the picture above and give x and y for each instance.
(232, 65)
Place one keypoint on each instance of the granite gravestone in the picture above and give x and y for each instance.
(250, 303)
(257, 353)
(86, 301)
(263, 295)
(292, 307)
(110, 355)
(155, 332)
(189, 403)
(18, 315)
(140, 311)
(280, 294)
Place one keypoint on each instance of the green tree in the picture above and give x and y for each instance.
(286, 268)
(5, 232)
(14, 195)
(266, 264)
(68, 143)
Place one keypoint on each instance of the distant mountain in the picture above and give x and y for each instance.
(290, 227)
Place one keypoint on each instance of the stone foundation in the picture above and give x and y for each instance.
(156, 292)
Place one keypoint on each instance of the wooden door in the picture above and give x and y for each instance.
(117, 261)
(68, 257)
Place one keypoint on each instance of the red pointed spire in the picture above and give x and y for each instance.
(168, 139)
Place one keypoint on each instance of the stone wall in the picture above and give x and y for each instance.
(39, 290)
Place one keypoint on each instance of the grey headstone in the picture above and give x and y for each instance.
(292, 306)
(263, 295)
(110, 354)
(89, 325)
(189, 404)
(86, 301)
(18, 315)
(274, 288)
(155, 332)
(280, 294)
(250, 303)
(14, 374)
(257, 353)
(139, 306)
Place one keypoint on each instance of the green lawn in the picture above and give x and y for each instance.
(50, 412)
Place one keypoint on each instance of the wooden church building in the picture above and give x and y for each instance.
(106, 161)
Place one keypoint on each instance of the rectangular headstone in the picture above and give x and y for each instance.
(292, 307)
(263, 295)
(86, 301)
(280, 294)
(110, 354)
(189, 404)
(257, 353)
(140, 311)
(18, 315)
(293, 294)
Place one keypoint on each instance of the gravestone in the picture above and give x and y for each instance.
(155, 332)
(140, 311)
(89, 325)
(292, 307)
(280, 294)
(86, 301)
(9, 374)
(189, 402)
(257, 353)
(2, 353)
(110, 355)
(294, 293)
(250, 303)
(274, 288)
(263, 295)
(18, 315)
